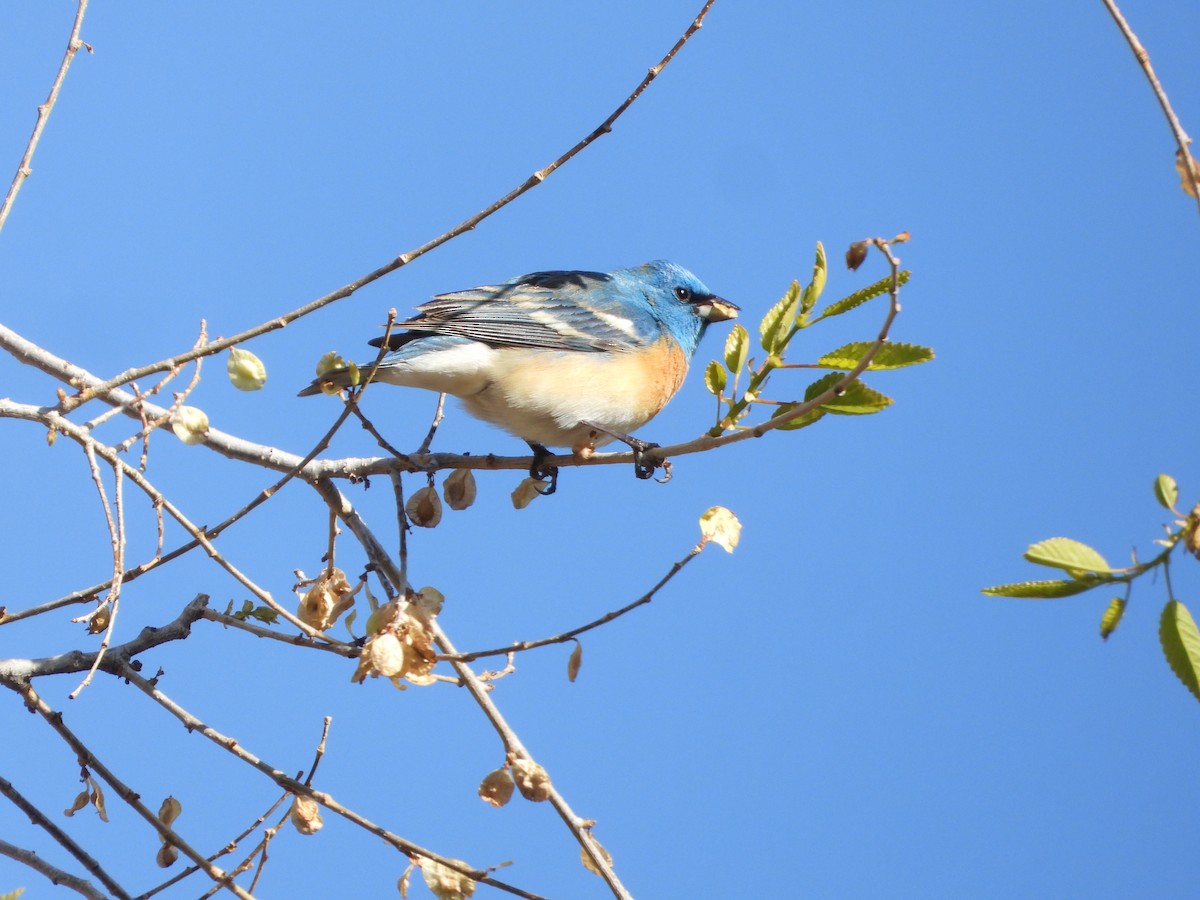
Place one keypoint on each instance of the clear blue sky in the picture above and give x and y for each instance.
(833, 711)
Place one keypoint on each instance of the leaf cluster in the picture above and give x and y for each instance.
(1087, 569)
(739, 380)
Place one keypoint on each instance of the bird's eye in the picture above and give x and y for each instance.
(683, 294)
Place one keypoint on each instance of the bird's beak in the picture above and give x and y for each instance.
(715, 309)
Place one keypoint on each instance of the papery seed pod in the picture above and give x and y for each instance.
(166, 856)
(526, 492)
(587, 860)
(496, 787)
(246, 371)
(306, 815)
(445, 883)
(424, 508)
(388, 654)
(532, 780)
(189, 424)
(459, 489)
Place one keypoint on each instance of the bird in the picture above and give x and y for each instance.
(560, 358)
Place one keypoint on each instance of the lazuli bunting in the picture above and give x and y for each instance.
(559, 359)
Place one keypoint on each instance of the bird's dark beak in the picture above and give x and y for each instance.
(716, 309)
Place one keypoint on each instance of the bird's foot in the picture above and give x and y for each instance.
(642, 467)
(539, 470)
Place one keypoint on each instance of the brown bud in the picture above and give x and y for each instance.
(856, 254)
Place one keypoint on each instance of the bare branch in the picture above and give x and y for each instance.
(518, 646)
(1143, 58)
(55, 874)
(294, 786)
(64, 840)
(403, 259)
(55, 720)
(478, 690)
(23, 169)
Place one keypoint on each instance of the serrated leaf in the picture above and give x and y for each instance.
(776, 324)
(812, 291)
(857, 400)
(1181, 644)
(890, 356)
(859, 297)
(714, 378)
(1043, 590)
(1067, 554)
(1166, 491)
(1112, 617)
(737, 348)
(799, 422)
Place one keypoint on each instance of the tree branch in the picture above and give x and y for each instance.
(1143, 58)
(43, 116)
(64, 840)
(468, 224)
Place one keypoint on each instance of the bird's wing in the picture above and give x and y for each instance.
(550, 310)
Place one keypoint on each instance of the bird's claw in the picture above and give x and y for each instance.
(641, 468)
(539, 471)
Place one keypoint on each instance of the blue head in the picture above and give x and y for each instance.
(677, 299)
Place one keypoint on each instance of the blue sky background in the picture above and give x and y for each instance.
(834, 710)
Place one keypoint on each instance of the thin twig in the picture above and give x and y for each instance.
(294, 786)
(478, 690)
(1143, 58)
(87, 758)
(518, 646)
(64, 840)
(403, 259)
(224, 851)
(433, 426)
(43, 116)
(297, 640)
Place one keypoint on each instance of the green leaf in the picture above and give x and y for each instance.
(1166, 490)
(800, 421)
(1064, 553)
(1112, 617)
(857, 400)
(1043, 590)
(859, 297)
(1181, 644)
(890, 356)
(737, 348)
(776, 324)
(714, 377)
(812, 291)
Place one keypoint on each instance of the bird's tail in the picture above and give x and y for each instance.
(331, 382)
